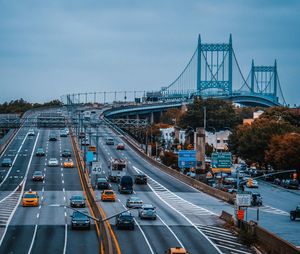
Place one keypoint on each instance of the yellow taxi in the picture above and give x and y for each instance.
(30, 198)
(176, 250)
(68, 163)
(108, 195)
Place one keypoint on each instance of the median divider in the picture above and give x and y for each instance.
(104, 231)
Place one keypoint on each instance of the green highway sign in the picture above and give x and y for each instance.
(221, 160)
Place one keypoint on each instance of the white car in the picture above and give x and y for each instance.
(31, 132)
(53, 162)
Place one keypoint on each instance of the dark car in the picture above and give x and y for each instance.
(40, 152)
(80, 220)
(63, 133)
(52, 137)
(140, 179)
(81, 135)
(291, 184)
(126, 184)
(125, 220)
(256, 199)
(7, 162)
(77, 201)
(66, 153)
(38, 176)
(102, 183)
(295, 213)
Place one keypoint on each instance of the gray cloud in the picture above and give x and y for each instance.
(48, 48)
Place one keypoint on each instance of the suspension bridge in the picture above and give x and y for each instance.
(213, 71)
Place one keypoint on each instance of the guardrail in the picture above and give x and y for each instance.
(103, 230)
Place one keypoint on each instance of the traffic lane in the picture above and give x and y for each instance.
(168, 181)
(17, 239)
(49, 239)
(272, 194)
(82, 241)
(280, 225)
(194, 241)
(19, 168)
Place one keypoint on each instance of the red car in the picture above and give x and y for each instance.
(120, 146)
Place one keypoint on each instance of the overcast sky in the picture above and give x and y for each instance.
(50, 48)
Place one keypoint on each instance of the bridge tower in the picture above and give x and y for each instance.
(264, 80)
(214, 66)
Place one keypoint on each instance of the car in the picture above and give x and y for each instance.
(134, 202)
(226, 187)
(6, 162)
(102, 183)
(120, 146)
(67, 130)
(68, 163)
(53, 162)
(256, 199)
(126, 184)
(30, 198)
(251, 183)
(109, 141)
(81, 135)
(295, 213)
(125, 220)
(52, 137)
(31, 132)
(37, 176)
(80, 219)
(147, 211)
(291, 184)
(66, 153)
(77, 201)
(140, 179)
(85, 142)
(40, 152)
(176, 250)
(191, 174)
(63, 133)
(108, 195)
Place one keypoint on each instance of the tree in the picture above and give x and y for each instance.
(171, 116)
(219, 114)
(284, 152)
(250, 142)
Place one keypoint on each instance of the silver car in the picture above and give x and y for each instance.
(147, 211)
(53, 162)
(134, 202)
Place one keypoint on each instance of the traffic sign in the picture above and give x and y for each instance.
(187, 159)
(89, 156)
(243, 198)
(221, 160)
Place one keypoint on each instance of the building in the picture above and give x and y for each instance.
(256, 115)
(219, 140)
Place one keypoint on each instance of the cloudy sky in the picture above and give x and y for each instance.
(50, 48)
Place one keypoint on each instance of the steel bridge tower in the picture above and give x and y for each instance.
(214, 66)
(264, 80)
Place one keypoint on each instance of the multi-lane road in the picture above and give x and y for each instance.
(43, 229)
(185, 216)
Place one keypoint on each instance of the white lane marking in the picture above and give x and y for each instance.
(22, 191)
(33, 238)
(64, 190)
(12, 164)
(172, 232)
(234, 249)
(62, 181)
(180, 213)
(38, 215)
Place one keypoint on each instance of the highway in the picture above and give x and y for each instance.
(43, 229)
(186, 217)
(180, 221)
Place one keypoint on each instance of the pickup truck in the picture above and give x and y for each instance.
(295, 213)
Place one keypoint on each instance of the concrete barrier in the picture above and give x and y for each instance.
(265, 240)
(227, 217)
